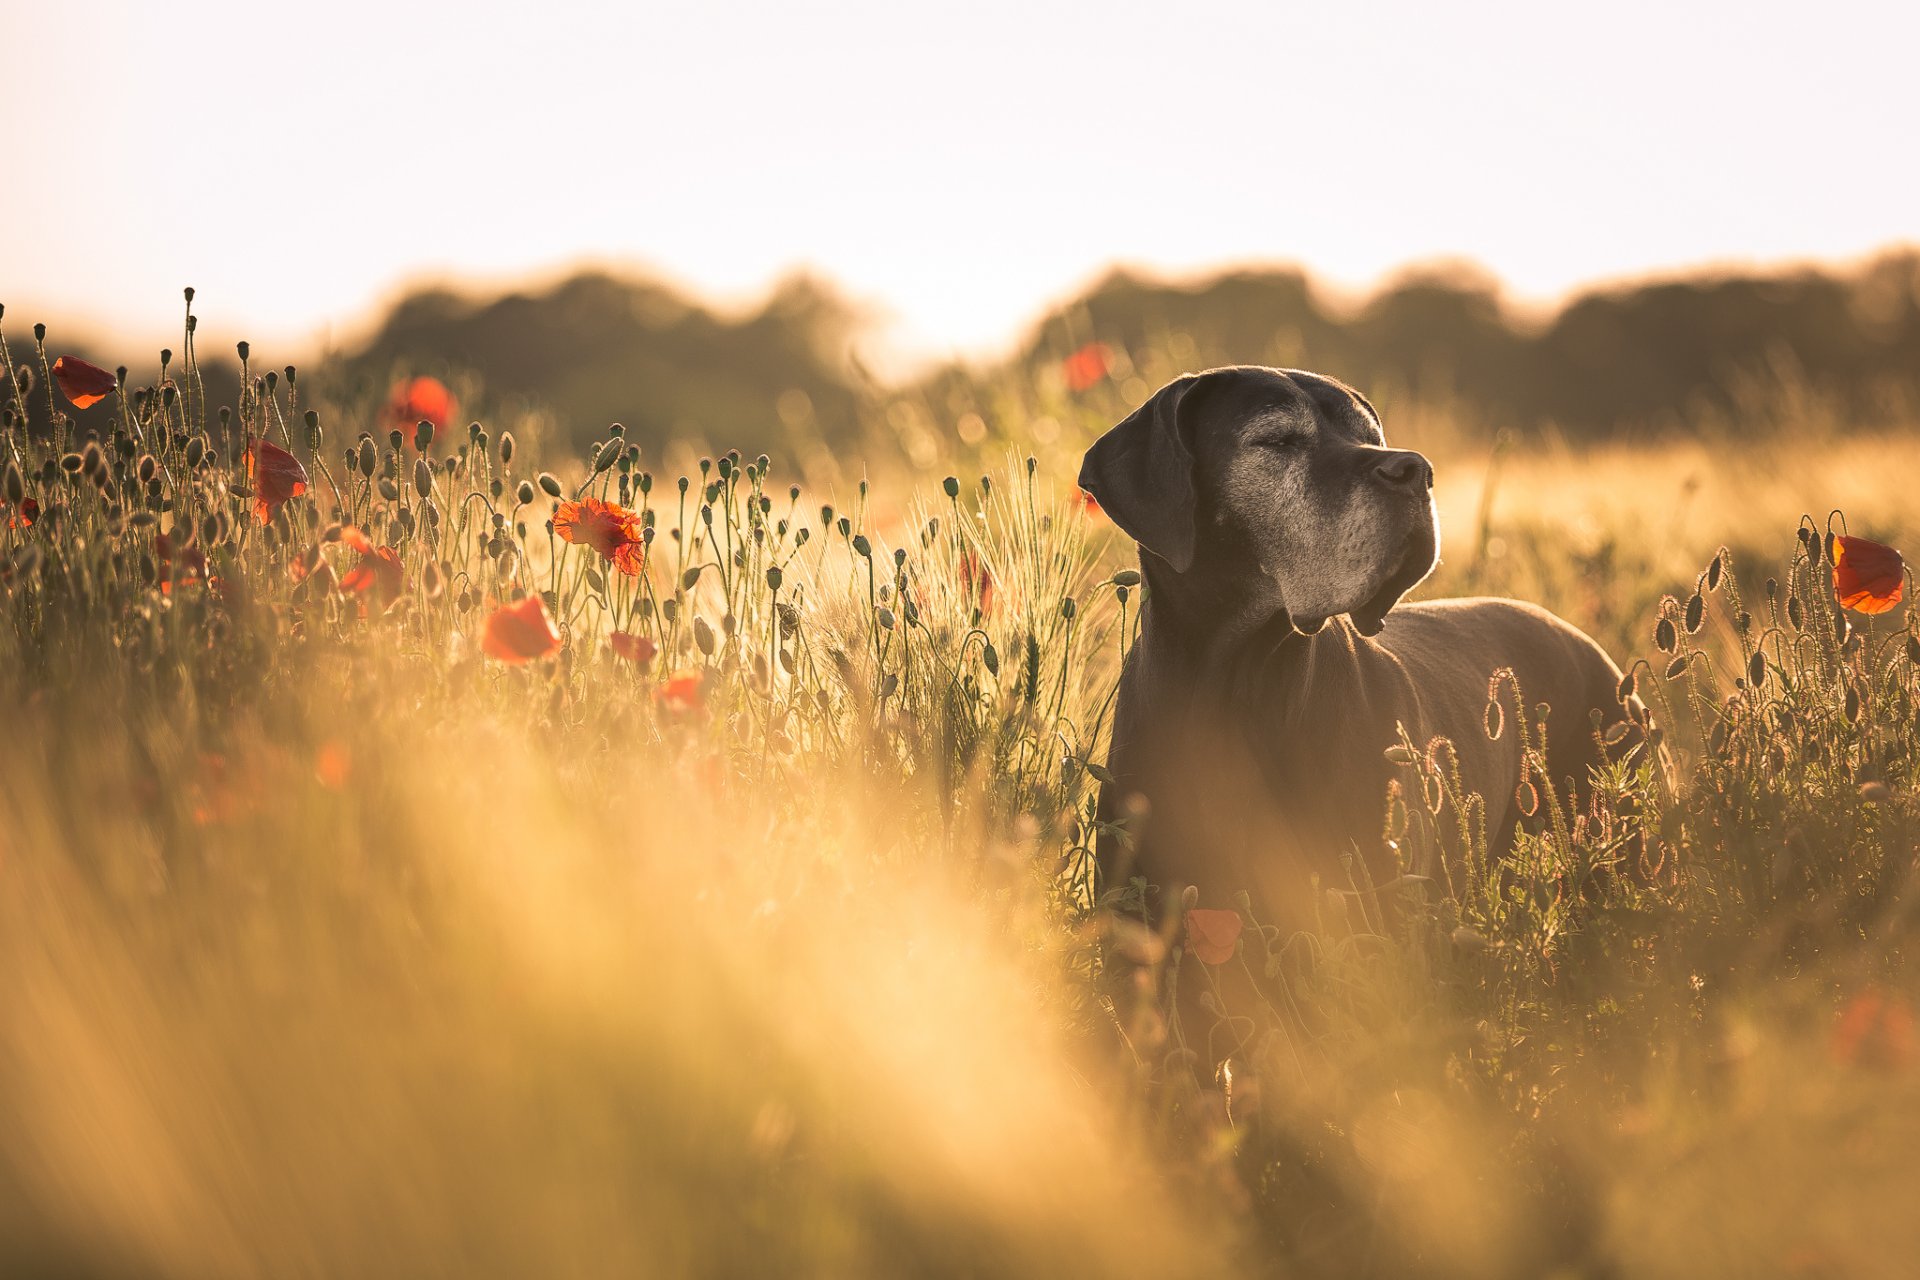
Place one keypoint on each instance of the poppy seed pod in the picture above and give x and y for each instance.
(423, 436)
(549, 485)
(368, 456)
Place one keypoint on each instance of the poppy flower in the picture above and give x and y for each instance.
(520, 632)
(1212, 934)
(1875, 1030)
(378, 570)
(1089, 505)
(416, 400)
(183, 565)
(976, 580)
(276, 476)
(23, 518)
(612, 530)
(1868, 577)
(332, 765)
(682, 693)
(1087, 366)
(82, 383)
(639, 650)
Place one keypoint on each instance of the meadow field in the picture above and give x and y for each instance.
(428, 850)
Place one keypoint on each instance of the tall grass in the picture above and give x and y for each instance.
(334, 943)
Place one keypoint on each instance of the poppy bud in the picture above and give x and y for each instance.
(952, 486)
(862, 547)
(885, 616)
(368, 456)
(314, 436)
(71, 463)
(1696, 612)
(549, 484)
(524, 494)
(1127, 578)
(703, 636)
(423, 478)
(389, 490)
(14, 485)
(506, 447)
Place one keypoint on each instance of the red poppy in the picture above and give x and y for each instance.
(1212, 934)
(1876, 1030)
(1089, 505)
(1087, 366)
(333, 765)
(82, 383)
(521, 632)
(1868, 577)
(378, 570)
(23, 518)
(976, 580)
(187, 564)
(276, 476)
(639, 650)
(682, 693)
(612, 530)
(416, 400)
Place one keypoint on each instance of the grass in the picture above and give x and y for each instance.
(332, 942)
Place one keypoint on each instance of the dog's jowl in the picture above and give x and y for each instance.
(1278, 531)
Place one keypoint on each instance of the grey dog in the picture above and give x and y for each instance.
(1277, 532)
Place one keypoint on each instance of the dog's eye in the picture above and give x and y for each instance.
(1280, 444)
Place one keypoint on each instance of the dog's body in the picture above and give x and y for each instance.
(1276, 533)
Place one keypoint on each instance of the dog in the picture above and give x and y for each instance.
(1273, 671)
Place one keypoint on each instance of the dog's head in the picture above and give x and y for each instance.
(1277, 482)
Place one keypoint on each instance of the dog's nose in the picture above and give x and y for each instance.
(1405, 469)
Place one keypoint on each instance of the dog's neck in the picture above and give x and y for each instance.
(1202, 631)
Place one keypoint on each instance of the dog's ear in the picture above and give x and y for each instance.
(1141, 474)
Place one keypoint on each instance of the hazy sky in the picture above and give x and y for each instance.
(959, 165)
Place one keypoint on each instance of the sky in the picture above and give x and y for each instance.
(953, 167)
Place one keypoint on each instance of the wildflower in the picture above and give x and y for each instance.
(183, 565)
(332, 765)
(276, 476)
(1868, 577)
(1089, 505)
(613, 531)
(682, 693)
(639, 650)
(82, 383)
(1875, 1030)
(1087, 366)
(1212, 934)
(378, 570)
(521, 632)
(23, 516)
(416, 400)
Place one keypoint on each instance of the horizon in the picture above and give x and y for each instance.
(1021, 155)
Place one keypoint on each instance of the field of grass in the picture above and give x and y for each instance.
(389, 886)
